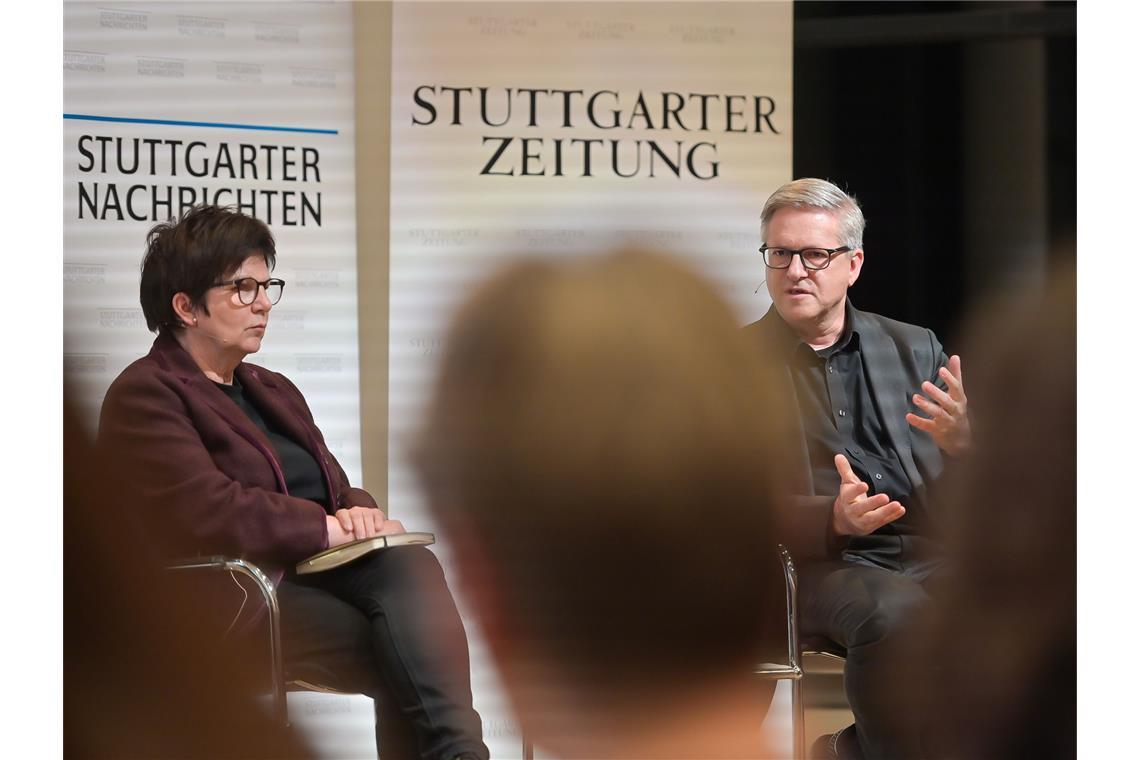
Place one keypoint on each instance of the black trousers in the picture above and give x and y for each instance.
(386, 626)
(876, 608)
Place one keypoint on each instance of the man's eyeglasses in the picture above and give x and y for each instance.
(811, 258)
(247, 288)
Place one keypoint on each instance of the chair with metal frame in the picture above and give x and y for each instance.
(279, 684)
(793, 670)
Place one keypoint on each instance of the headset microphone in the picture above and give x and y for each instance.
(216, 338)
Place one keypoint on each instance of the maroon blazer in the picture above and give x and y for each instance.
(204, 475)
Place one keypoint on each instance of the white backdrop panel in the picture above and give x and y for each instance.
(258, 98)
(164, 80)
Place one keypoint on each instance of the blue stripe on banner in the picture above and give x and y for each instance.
(212, 124)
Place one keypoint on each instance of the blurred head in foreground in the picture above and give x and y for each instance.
(139, 679)
(1002, 656)
(597, 450)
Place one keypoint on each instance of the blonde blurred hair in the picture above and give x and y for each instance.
(600, 435)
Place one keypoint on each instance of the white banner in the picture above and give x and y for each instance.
(168, 105)
(563, 127)
(251, 104)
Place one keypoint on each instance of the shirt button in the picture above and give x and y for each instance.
(878, 476)
(830, 368)
(842, 412)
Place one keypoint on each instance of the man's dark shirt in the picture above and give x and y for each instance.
(840, 417)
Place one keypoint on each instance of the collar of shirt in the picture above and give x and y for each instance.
(792, 344)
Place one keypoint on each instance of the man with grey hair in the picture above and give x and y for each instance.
(879, 404)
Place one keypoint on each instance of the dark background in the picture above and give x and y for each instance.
(954, 125)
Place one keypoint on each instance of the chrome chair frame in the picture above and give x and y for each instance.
(793, 670)
(269, 595)
(279, 684)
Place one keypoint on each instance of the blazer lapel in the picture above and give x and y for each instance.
(174, 357)
(177, 360)
(807, 482)
(771, 331)
(276, 406)
(267, 396)
(889, 389)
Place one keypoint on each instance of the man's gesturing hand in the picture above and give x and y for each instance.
(855, 513)
(948, 424)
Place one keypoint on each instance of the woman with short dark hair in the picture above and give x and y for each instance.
(224, 457)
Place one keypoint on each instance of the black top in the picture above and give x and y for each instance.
(303, 477)
(840, 417)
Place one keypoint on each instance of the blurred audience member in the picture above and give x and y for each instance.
(138, 679)
(598, 450)
(1000, 661)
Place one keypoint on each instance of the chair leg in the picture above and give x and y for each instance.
(799, 751)
(528, 749)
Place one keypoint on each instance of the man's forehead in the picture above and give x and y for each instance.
(815, 221)
(805, 212)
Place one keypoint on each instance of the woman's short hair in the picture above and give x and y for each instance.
(812, 193)
(606, 433)
(195, 253)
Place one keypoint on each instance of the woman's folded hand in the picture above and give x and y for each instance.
(353, 523)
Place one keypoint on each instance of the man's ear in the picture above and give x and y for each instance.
(855, 264)
(183, 309)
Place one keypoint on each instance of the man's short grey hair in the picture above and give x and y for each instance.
(812, 193)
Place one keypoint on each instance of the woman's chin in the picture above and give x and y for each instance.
(251, 344)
